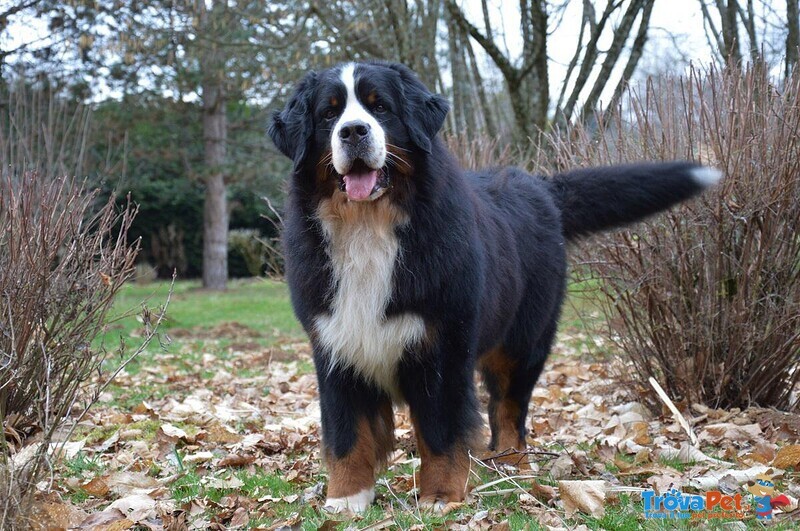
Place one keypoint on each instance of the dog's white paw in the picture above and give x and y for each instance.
(357, 503)
(435, 506)
(438, 507)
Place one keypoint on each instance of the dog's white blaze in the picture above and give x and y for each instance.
(363, 250)
(358, 502)
(353, 110)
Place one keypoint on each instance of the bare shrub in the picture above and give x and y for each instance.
(272, 247)
(63, 256)
(60, 266)
(706, 298)
(480, 152)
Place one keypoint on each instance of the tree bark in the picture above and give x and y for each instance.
(215, 208)
(793, 36)
(488, 119)
(730, 30)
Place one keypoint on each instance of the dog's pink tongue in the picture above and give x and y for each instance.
(359, 185)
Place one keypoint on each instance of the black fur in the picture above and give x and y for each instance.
(483, 257)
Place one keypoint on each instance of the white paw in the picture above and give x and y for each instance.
(437, 507)
(357, 503)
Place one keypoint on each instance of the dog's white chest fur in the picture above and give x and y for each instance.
(363, 249)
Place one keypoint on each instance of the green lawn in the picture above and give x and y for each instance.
(258, 304)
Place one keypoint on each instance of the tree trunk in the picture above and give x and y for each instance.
(730, 30)
(215, 209)
(489, 127)
(793, 36)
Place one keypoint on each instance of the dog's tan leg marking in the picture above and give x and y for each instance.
(504, 412)
(351, 485)
(442, 479)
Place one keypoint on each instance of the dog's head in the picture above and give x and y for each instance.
(360, 126)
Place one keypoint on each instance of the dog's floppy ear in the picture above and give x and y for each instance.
(292, 128)
(424, 112)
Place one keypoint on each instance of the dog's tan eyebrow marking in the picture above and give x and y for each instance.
(372, 97)
(334, 101)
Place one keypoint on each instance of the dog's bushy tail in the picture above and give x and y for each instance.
(595, 199)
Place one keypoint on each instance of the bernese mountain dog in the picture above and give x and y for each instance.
(409, 273)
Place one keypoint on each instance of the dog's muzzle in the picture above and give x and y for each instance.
(359, 162)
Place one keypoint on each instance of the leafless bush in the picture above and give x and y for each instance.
(41, 133)
(481, 152)
(706, 298)
(60, 267)
(63, 256)
(272, 247)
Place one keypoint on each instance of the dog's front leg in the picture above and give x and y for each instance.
(357, 436)
(441, 395)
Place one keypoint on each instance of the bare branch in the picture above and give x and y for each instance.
(590, 57)
(506, 68)
(635, 55)
(612, 56)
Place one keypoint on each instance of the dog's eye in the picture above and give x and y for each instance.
(381, 108)
(330, 114)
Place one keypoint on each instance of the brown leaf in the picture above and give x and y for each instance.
(143, 408)
(788, 456)
(125, 483)
(51, 515)
(235, 460)
(104, 519)
(217, 433)
(729, 431)
(664, 482)
(562, 467)
(240, 518)
(584, 496)
(763, 452)
(97, 487)
(175, 521)
(135, 507)
(543, 492)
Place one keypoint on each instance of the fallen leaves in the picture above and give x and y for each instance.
(225, 421)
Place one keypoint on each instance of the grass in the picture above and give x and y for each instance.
(258, 304)
(82, 464)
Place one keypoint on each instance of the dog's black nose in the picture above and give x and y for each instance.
(353, 132)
